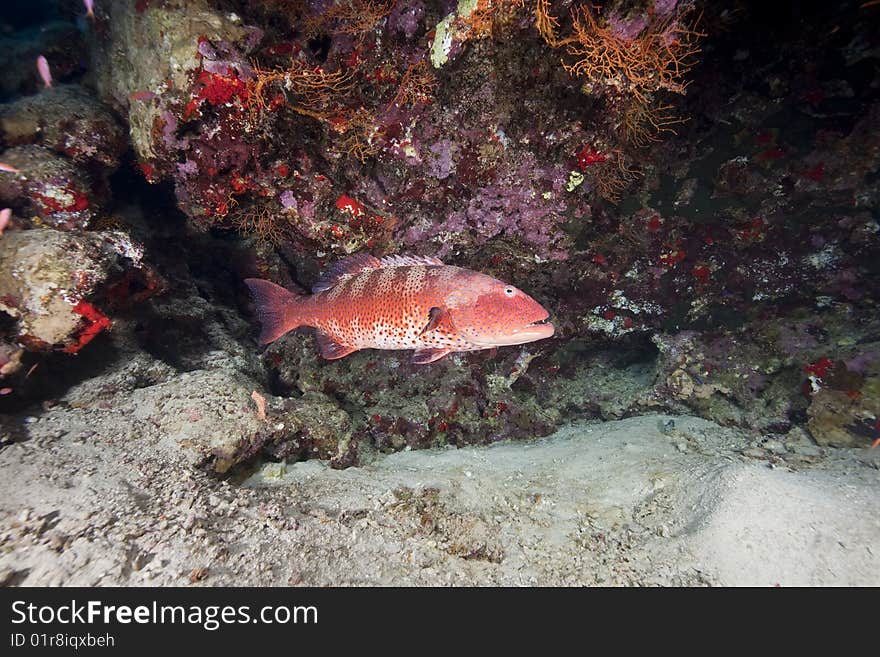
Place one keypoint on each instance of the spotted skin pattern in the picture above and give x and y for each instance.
(387, 309)
(403, 302)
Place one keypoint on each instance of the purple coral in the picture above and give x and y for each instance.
(627, 28)
(222, 58)
(664, 7)
(505, 209)
(441, 165)
(406, 16)
(288, 200)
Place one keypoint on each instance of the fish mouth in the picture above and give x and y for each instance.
(543, 328)
(543, 325)
(537, 330)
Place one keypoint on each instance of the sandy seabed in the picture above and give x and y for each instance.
(650, 500)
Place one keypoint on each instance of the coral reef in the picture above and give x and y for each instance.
(62, 144)
(708, 252)
(48, 189)
(47, 276)
(690, 188)
(68, 120)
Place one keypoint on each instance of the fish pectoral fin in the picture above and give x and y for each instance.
(429, 355)
(331, 349)
(439, 318)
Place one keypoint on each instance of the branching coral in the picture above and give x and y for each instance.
(358, 134)
(312, 90)
(546, 23)
(416, 86)
(261, 220)
(626, 61)
(481, 19)
(489, 17)
(640, 61)
(349, 17)
(329, 97)
(613, 176)
(625, 52)
(359, 127)
(643, 123)
(640, 55)
(319, 94)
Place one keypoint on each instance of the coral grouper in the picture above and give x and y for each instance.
(402, 302)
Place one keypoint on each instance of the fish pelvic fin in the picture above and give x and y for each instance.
(428, 355)
(331, 349)
(278, 309)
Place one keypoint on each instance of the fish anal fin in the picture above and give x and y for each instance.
(331, 349)
(439, 318)
(429, 355)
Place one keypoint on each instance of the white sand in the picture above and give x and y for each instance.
(617, 503)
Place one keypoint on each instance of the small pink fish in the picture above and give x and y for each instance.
(45, 73)
(8, 168)
(402, 302)
(5, 216)
(260, 401)
(90, 8)
(142, 95)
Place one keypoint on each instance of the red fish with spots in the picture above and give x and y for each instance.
(402, 302)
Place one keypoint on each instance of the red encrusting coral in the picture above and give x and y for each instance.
(78, 203)
(754, 232)
(346, 203)
(774, 153)
(820, 368)
(816, 173)
(239, 184)
(148, 170)
(97, 322)
(221, 89)
(701, 273)
(588, 156)
(133, 288)
(671, 258)
(283, 48)
(217, 90)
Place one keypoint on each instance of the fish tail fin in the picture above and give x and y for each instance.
(278, 309)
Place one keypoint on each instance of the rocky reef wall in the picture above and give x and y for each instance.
(693, 200)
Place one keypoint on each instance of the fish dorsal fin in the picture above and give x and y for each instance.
(342, 269)
(361, 262)
(407, 260)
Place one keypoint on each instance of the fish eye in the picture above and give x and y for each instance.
(509, 291)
